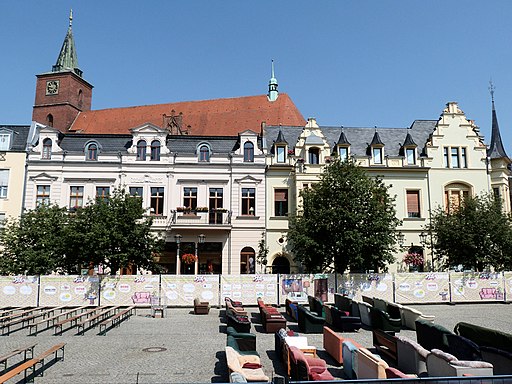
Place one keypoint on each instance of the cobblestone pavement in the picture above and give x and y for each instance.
(185, 348)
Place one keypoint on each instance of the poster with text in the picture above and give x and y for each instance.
(357, 285)
(477, 286)
(422, 287)
(129, 289)
(18, 291)
(247, 288)
(297, 287)
(507, 278)
(181, 290)
(69, 290)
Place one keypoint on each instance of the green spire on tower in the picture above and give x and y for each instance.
(67, 60)
(273, 94)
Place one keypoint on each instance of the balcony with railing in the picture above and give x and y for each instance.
(201, 217)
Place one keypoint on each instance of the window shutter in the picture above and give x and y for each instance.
(413, 202)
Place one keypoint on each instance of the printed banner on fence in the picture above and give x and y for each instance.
(18, 291)
(421, 287)
(129, 289)
(247, 288)
(356, 285)
(70, 290)
(507, 278)
(477, 286)
(181, 290)
(298, 287)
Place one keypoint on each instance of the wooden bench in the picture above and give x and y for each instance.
(25, 350)
(115, 320)
(32, 363)
(24, 320)
(23, 312)
(89, 322)
(50, 321)
(72, 320)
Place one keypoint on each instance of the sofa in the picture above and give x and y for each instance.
(201, 307)
(333, 344)
(236, 310)
(316, 306)
(349, 359)
(236, 362)
(462, 348)
(442, 364)
(343, 303)
(369, 366)
(411, 356)
(383, 321)
(343, 321)
(241, 341)
(141, 298)
(309, 322)
(270, 317)
(306, 368)
(300, 342)
(394, 373)
(291, 311)
(410, 315)
(279, 340)
(239, 322)
(431, 336)
(495, 346)
(385, 343)
(364, 313)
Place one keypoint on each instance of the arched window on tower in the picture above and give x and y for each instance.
(47, 149)
(49, 120)
(80, 98)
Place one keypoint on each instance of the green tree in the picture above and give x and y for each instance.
(116, 233)
(347, 221)
(476, 235)
(113, 232)
(36, 242)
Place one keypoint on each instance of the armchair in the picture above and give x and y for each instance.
(236, 362)
(309, 322)
(383, 321)
(443, 364)
(201, 307)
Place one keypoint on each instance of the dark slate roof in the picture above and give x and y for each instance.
(409, 142)
(19, 138)
(188, 144)
(376, 139)
(280, 138)
(75, 142)
(360, 138)
(496, 150)
(343, 139)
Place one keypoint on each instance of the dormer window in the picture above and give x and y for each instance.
(204, 153)
(141, 150)
(314, 156)
(47, 149)
(155, 150)
(91, 152)
(377, 155)
(343, 153)
(281, 153)
(410, 155)
(5, 141)
(248, 152)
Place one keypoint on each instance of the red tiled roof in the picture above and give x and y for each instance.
(218, 117)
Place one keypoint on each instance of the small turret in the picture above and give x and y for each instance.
(273, 94)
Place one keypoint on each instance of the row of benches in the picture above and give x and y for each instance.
(82, 318)
(29, 365)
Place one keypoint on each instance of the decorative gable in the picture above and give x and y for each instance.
(149, 133)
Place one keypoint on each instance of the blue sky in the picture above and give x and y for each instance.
(351, 63)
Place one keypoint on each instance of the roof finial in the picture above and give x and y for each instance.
(70, 17)
(272, 86)
(491, 89)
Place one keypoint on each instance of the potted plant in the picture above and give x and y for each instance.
(188, 258)
(414, 261)
(201, 209)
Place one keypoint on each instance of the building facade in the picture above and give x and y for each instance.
(431, 164)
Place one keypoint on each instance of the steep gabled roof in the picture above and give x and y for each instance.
(496, 150)
(218, 117)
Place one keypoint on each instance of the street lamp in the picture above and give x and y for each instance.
(400, 239)
(177, 238)
(200, 240)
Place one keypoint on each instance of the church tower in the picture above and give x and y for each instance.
(273, 94)
(62, 93)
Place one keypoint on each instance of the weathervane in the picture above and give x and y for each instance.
(491, 89)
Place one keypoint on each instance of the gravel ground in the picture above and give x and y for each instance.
(185, 348)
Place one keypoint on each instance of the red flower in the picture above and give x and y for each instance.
(413, 259)
(188, 258)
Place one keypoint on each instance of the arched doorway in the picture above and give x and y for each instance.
(281, 265)
(247, 261)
